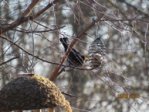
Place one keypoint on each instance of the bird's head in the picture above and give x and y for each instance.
(64, 40)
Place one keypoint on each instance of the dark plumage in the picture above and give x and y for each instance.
(74, 57)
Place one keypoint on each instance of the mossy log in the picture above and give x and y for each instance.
(31, 92)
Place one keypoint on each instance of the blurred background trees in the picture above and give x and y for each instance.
(32, 45)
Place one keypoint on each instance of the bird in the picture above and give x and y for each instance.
(97, 52)
(75, 58)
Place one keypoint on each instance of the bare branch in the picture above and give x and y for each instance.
(5, 38)
(30, 7)
(135, 8)
(27, 31)
(8, 61)
(22, 19)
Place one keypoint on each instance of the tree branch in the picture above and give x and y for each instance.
(135, 8)
(8, 61)
(5, 38)
(23, 19)
(30, 7)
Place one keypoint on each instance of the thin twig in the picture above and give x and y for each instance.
(35, 31)
(8, 61)
(5, 38)
(135, 8)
